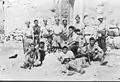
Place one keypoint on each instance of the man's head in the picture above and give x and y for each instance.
(41, 45)
(57, 21)
(71, 29)
(36, 22)
(77, 18)
(65, 49)
(92, 41)
(64, 22)
(78, 31)
(45, 21)
(28, 24)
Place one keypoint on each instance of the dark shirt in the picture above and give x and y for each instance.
(36, 30)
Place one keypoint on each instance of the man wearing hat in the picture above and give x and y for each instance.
(101, 25)
(46, 29)
(78, 24)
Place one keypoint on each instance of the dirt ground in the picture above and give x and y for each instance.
(10, 68)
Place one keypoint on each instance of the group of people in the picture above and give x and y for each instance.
(70, 43)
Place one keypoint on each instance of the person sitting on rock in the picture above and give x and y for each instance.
(32, 57)
(94, 51)
(67, 58)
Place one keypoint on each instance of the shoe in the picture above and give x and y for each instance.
(82, 72)
(23, 67)
(104, 63)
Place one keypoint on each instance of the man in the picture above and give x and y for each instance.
(28, 31)
(77, 24)
(94, 51)
(57, 27)
(69, 55)
(80, 38)
(101, 39)
(72, 39)
(63, 33)
(57, 30)
(64, 25)
(68, 59)
(101, 25)
(50, 44)
(28, 36)
(32, 57)
(36, 32)
(46, 29)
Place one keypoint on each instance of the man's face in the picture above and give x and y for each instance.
(64, 22)
(57, 21)
(36, 22)
(65, 50)
(41, 46)
(77, 19)
(71, 30)
(92, 42)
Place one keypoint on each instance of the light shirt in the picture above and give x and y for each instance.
(69, 54)
(78, 26)
(57, 29)
(92, 49)
(45, 29)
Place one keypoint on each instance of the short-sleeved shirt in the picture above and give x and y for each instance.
(57, 29)
(92, 49)
(45, 29)
(78, 26)
(69, 54)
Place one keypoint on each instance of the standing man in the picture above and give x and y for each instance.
(36, 32)
(77, 24)
(46, 29)
(64, 25)
(28, 36)
(57, 26)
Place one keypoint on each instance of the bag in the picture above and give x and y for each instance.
(116, 42)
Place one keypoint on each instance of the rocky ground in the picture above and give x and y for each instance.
(10, 68)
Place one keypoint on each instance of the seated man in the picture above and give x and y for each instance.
(66, 55)
(67, 58)
(94, 52)
(32, 57)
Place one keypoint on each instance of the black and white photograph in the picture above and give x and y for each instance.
(59, 40)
